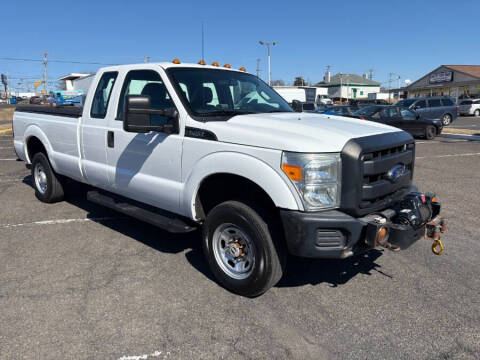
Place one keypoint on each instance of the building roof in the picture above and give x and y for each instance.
(74, 76)
(349, 79)
(473, 70)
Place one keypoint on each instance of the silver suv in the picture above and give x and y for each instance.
(469, 107)
(437, 107)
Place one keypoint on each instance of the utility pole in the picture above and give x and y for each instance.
(268, 44)
(390, 87)
(341, 87)
(146, 59)
(45, 62)
(258, 67)
(203, 42)
(370, 74)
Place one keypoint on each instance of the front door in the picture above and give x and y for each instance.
(146, 167)
(94, 132)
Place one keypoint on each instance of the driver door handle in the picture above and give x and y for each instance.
(110, 139)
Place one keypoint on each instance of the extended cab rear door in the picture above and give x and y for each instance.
(94, 130)
(145, 166)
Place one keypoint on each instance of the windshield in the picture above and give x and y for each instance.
(406, 103)
(210, 93)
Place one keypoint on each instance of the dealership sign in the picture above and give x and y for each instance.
(440, 77)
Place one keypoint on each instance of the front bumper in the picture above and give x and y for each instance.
(334, 234)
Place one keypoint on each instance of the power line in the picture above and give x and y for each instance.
(55, 61)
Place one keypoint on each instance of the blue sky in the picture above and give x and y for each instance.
(409, 38)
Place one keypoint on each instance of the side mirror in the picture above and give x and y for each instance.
(297, 106)
(138, 116)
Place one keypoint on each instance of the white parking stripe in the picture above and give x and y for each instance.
(145, 356)
(8, 159)
(449, 155)
(59, 221)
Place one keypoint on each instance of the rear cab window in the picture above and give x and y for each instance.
(447, 102)
(101, 98)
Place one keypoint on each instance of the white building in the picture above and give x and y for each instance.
(77, 81)
(349, 86)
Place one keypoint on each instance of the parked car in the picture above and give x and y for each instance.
(469, 107)
(260, 180)
(342, 110)
(437, 107)
(38, 100)
(367, 102)
(299, 106)
(323, 99)
(402, 118)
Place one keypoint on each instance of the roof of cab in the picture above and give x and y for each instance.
(166, 65)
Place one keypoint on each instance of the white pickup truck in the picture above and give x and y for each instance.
(184, 146)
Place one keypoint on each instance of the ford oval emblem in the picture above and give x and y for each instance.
(396, 172)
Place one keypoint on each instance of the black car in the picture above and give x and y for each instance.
(402, 118)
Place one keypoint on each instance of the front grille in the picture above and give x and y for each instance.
(375, 165)
(366, 162)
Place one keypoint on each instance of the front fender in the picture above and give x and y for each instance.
(280, 191)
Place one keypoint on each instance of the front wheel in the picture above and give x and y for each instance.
(446, 119)
(240, 249)
(476, 112)
(430, 132)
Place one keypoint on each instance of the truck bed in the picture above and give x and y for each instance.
(69, 111)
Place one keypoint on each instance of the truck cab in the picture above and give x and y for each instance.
(187, 146)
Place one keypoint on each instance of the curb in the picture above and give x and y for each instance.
(6, 131)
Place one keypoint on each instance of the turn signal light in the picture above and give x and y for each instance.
(294, 172)
(382, 236)
(176, 61)
(201, 62)
(215, 63)
(434, 199)
(242, 68)
(227, 66)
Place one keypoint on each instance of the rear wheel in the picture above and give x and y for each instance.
(446, 119)
(48, 187)
(240, 249)
(430, 132)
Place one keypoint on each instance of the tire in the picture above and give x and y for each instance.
(47, 184)
(476, 112)
(235, 234)
(446, 119)
(430, 132)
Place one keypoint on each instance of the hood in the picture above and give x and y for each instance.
(297, 132)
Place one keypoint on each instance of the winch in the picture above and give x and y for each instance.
(414, 216)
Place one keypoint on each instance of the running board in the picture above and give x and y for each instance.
(163, 219)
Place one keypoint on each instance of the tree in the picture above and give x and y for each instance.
(299, 81)
(278, 83)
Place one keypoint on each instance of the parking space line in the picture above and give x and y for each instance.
(60, 221)
(145, 356)
(448, 155)
(8, 159)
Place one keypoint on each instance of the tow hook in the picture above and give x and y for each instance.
(433, 229)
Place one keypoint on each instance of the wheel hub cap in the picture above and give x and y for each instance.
(233, 251)
(40, 178)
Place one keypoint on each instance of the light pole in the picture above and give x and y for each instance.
(268, 51)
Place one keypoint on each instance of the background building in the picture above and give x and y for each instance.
(349, 86)
(457, 81)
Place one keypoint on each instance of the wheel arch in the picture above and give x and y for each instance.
(34, 140)
(235, 169)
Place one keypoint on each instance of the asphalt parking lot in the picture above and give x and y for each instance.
(466, 122)
(78, 281)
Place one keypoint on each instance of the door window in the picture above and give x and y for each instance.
(421, 104)
(149, 83)
(102, 95)
(447, 102)
(434, 103)
(389, 112)
(408, 114)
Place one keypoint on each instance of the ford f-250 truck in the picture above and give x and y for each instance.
(184, 146)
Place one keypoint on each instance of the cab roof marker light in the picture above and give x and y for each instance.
(201, 62)
(176, 61)
(242, 68)
(227, 66)
(215, 63)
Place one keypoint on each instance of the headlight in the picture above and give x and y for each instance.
(317, 178)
